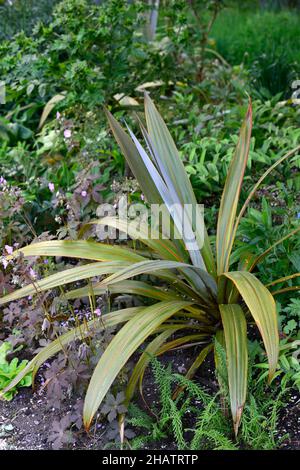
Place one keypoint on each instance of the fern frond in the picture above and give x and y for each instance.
(175, 416)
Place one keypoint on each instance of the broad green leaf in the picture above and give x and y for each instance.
(79, 249)
(65, 277)
(261, 305)
(120, 349)
(235, 329)
(262, 256)
(79, 333)
(230, 196)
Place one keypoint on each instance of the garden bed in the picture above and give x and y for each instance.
(90, 306)
(29, 420)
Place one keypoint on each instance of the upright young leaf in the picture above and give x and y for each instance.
(164, 146)
(230, 196)
(176, 209)
(134, 161)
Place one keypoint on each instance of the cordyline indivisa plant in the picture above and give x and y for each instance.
(197, 295)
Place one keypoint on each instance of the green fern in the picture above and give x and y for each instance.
(176, 418)
(211, 439)
(139, 418)
(163, 379)
(192, 388)
(213, 429)
(140, 442)
(220, 353)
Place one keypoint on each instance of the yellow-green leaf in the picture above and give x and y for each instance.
(230, 196)
(79, 249)
(235, 330)
(124, 287)
(122, 346)
(48, 108)
(261, 305)
(65, 277)
(146, 234)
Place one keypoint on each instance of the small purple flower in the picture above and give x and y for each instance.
(46, 261)
(32, 273)
(58, 115)
(142, 197)
(298, 215)
(97, 312)
(45, 324)
(67, 133)
(51, 187)
(4, 263)
(83, 193)
(9, 249)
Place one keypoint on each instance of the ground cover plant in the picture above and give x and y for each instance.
(196, 419)
(9, 370)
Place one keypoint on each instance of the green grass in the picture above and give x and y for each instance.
(267, 42)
